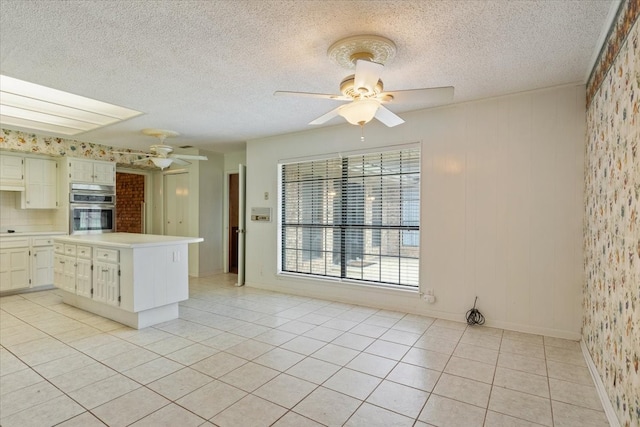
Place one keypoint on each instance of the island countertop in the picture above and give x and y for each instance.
(126, 240)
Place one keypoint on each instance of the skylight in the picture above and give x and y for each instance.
(32, 106)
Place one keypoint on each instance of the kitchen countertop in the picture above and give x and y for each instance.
(33, 233)
(127, 240)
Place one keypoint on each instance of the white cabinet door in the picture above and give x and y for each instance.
(69, 274)
(41, 184)
(14, 269)
(92, 171)
(106, 283)
(81, 170)
(42, 266)
(58, 270)
(83, 277)
(11, 168)
(104, 173)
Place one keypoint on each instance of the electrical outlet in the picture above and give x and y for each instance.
(428, 296)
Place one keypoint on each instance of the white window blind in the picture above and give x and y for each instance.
(355, 217)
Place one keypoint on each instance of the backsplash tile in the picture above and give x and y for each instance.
(14, 218)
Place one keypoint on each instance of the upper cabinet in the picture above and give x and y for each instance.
(11, 172)
(41, 188)
(92, 171)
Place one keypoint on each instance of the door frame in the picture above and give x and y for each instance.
(225, 219)
(229, 228)
(148, 196)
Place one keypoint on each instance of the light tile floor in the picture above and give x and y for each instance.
(246, 357)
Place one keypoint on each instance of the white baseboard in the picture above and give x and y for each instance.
(403, 301)
(602, 392)
(27, 290)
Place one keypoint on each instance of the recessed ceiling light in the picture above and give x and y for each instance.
(35, 107)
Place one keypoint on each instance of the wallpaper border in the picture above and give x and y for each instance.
(611, 47)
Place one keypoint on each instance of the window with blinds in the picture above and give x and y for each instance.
(355, 217)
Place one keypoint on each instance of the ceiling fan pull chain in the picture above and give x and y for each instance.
(362, 131)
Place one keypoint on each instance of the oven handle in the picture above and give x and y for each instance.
(90, 206)
(72, 196)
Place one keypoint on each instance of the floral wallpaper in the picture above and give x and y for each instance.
(611, 297)
(28, 142)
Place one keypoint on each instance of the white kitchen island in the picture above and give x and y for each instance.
(134, 279)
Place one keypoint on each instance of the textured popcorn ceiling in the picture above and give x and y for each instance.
(208, 69)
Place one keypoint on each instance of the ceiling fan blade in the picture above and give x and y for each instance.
(388, 117)
(367, 75)
(313, 95)
(433, 95)
(325, 117)
(187, 157)
(179, 161)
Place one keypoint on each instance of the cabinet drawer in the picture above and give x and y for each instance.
(20, 242)
(58, 248)
(70, 250)
(106, 255)
(83, 251)
(42, 241)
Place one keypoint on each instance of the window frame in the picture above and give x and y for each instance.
(411, 288)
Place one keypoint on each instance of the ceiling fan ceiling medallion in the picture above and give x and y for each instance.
(161, 134)
(346, 52)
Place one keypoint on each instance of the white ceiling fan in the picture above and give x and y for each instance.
(160, 153)
(364, 90)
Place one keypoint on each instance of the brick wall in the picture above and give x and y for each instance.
(129, 198)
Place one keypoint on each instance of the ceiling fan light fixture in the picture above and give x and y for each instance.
(360, 111)
(161, 162)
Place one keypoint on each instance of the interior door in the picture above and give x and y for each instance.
(233, 222)
(176, 204)
(242, 179)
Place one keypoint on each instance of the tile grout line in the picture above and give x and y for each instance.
(229, 315)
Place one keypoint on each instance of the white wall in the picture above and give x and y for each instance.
(210, 214)
(501, 210)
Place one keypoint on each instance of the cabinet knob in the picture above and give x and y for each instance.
(35, 255)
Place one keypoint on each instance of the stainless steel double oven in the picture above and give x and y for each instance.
(92, 208)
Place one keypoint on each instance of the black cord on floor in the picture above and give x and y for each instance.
(474, 317)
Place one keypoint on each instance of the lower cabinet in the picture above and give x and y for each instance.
(106, 286)
(92, 273)
(26, 262)
(64, 272)
(14, 268)
(83, 277)
(41, 261)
